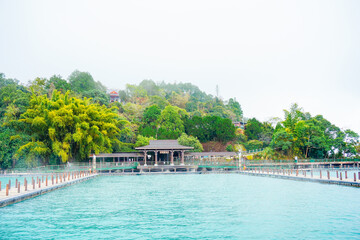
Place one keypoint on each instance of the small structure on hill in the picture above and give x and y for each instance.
(240, 124)
(114, 96)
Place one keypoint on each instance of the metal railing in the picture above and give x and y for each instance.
(71, 167)
(277, 161)
(208, 162)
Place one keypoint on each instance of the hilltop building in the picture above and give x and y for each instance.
(114, 96)
(240, 124)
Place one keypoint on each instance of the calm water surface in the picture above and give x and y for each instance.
(214, 206)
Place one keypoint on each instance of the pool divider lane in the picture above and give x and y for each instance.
(41, 185)
(301, 175)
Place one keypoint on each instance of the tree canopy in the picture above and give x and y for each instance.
(57, 120)
(67, 127)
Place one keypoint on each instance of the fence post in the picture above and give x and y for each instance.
(9, 184)
(337, 174)
(18, 187)
(25, 183)
(345, 174)
(340, 175)
(328, 174)
(320, 174)
(7, 189)
(354, 177)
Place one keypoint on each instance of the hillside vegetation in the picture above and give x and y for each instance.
(55, 120)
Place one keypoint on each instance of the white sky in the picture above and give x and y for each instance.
(267, 54)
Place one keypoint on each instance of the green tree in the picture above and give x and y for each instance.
(235, 107)
(97, 96)
(171, 122)
(229, 148)
(68, 128)
(37, 86)
(266, 133)
(150, 87)
(225, 130)
(10, 141)
(282, 141)
(83, 81)
(254, 145)
(210, 128)
(253, 129)
(194, 126)
(143, 141)
(149, 124)
(58, 83)
(190, 141)
(160, 101)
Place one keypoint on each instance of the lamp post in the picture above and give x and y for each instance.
(240, 155)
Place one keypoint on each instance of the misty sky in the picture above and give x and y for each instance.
(267, 54)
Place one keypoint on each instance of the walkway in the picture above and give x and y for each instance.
(321, 176)
(34, 187)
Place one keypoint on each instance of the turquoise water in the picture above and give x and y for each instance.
(212, 206)
(5, 180)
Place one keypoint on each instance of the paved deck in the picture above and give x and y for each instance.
(15, 197)
(324, 179)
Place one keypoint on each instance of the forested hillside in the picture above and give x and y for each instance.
(49, 121)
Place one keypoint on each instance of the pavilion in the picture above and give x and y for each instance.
(160, 152)
(164, 149)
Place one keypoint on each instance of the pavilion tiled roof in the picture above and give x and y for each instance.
(164, 145)
(122, 154)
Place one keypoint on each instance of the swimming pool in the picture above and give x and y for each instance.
(193, 206)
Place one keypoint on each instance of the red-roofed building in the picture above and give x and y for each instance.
(114, 96)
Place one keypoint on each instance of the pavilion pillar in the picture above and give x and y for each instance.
(172, 158)
(94, 163)
(145, 156)
(182, 157)
(156, 158)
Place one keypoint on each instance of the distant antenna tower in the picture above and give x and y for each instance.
(217, 91)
